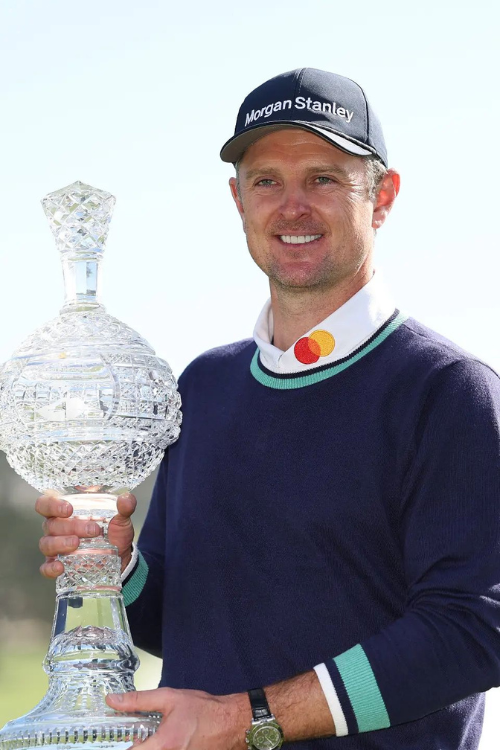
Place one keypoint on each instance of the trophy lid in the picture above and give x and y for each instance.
(79, 217)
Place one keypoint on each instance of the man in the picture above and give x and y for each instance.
(327, 526)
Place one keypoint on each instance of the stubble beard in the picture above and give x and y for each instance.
(328, 273)
(325, 275)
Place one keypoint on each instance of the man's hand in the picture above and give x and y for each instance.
(62, 534)
(192, 720)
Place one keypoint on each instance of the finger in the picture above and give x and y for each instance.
(126, 504)
(52, 506)
(155, 742)
(51, 546)
(72, 527)
(160, 740)
(51, 568)
(142, 700)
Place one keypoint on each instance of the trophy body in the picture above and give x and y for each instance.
(87, 410)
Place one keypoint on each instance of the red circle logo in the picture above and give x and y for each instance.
(309, 349)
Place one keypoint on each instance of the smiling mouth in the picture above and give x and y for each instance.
(301, 239)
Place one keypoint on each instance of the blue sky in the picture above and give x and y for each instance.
(137, 99)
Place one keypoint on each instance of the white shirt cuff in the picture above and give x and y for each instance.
(132, 563)
(332, 699)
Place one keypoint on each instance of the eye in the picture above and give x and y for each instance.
(265, 182)
(323, 179)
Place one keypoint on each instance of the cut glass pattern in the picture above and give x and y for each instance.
(88, 409)
(79, 217)
(84, 572)
(84, 401)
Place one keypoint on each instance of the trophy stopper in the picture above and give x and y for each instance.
(79, 217)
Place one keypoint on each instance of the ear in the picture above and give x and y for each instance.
(387, 193)
(233, 184)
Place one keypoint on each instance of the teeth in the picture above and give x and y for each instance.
(301, 239)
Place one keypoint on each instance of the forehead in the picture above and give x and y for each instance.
(293, 147)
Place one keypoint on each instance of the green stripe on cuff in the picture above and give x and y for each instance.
(133, 588)
(362, 689)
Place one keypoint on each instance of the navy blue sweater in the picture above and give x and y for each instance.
(349, 516)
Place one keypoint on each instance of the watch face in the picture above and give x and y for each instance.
(266, 737)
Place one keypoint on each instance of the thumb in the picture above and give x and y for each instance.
(125, 505)
(144, 700)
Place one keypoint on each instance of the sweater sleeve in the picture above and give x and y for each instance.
(143, 589)
(446, 646)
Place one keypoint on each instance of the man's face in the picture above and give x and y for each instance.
(305, 208)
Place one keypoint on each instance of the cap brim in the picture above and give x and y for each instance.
(233, 150)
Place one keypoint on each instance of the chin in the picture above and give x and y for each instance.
(300, 278)
(298, 282)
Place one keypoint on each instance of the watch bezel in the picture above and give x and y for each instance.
(260, 724)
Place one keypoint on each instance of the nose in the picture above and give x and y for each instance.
(294, 203)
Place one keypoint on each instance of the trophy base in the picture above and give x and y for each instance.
(74, 714)
(42, 728)
(109, 733)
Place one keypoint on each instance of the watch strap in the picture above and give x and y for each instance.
(259, 704)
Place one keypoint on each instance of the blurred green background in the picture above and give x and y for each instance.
(27, 599)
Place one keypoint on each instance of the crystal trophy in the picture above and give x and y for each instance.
(86, 409)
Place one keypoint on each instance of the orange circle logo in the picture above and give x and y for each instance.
(309, 349)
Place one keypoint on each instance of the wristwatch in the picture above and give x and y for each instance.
(265, 732)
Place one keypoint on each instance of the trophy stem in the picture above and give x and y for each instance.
(81, 282)
(90, 652)
(90, 629)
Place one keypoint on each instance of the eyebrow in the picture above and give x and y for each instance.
(332, 168)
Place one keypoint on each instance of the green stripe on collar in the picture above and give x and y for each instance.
(316, 377)
(133, 588)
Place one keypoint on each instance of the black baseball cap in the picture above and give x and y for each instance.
(329, 105)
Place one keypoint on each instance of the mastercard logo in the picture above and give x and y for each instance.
(310, 348)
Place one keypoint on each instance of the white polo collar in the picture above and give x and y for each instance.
(334, 338)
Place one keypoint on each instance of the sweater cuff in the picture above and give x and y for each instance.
(352, 693)
(134, 585)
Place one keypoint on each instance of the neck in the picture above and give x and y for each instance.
(297, 311)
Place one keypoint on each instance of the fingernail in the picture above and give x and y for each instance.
(117, 697)
(70, 541)
(63, 509)
(92, 528)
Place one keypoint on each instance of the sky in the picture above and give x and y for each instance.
(138, 98)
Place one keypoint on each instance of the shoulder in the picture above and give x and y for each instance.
(444, 370)
(420, 347)
(420, 341)
(227, 355)
(221, 359)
